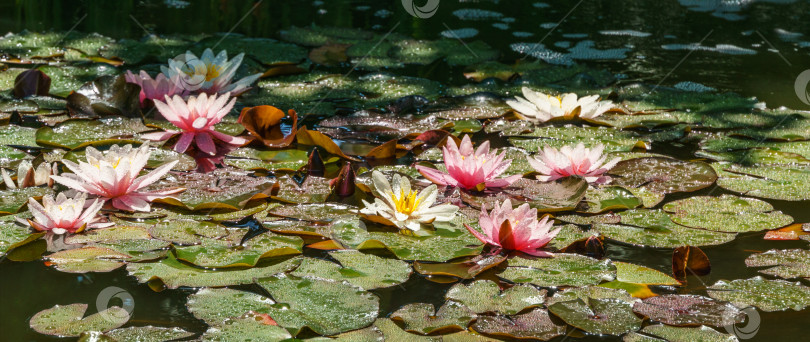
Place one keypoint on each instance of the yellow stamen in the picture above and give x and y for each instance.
(406, 204)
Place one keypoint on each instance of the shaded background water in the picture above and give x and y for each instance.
(755, 48)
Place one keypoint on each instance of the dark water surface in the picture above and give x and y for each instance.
(767, 72)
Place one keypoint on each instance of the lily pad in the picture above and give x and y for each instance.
(637, 274)
(232, 253)
(147, 334)
(679, 334)
(13, 235)
(727, 213)
(87, 259)
(586, 293)
(214, 306)
(775, 182)
(559, 270)
(765, 294)
(655, 228)
(444, 243)
(326, 307)
(173, 273)
(689, 310)
(598, 316)
(366, 271)
(67, 321)
(79, 133)
(223, 188)
(663, 175)
(614, 140)
(250, 327)
(787, 263)
(483, 296)
(602, 199)
(534, 325)
(556, 195)
(187, 232)
(12, 200)
(422, 318)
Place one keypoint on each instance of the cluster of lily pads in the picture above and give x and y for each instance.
(383, 179)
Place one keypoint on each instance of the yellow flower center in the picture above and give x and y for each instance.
(406, 204)
(211, 71)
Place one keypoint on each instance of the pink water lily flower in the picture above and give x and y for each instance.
(573, 162)
(470, 169)
(65, 215)
(515, 229)
(157, 88)
(196, 118)
(113, 176)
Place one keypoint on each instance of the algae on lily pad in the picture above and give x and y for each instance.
(726, 213)
(559, 270)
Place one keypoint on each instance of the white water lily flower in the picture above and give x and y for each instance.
(65, 215)
(403, 206)
(542, 107)
(28, 176)
(208, 74)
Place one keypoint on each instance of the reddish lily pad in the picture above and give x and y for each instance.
(663, 175)
(223, 188)
(689, 310)
(557, 195)
(679, 334)
(533, 325)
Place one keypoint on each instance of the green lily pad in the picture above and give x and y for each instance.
(214, 306)
(87, 259)
(111, 234)
(776, 182)
(787, 263)
(392, 332)
(147, 334)
(67, 321)
(187, 232)
(598, 316)
(535, 325)
(67, 78)
(153, 47)
(15, 135)
(569, 234)
(586, 293)
(12, 200)
(366, 271)
(247, 328)
(448, 241)
(139, 249)
(312, 190)
(765, 294)
(485, 296)
(654, 228)
(221, 253)
(727, 213)
(663, 175)
(602, 199)
(689, 310)
(223, 188)
(727, 144)
(559, 270)
(680, 334)
(637, 274)
(265, 50)
(79, 133)
(173, 273)
(422, 318)
(326, 307)
(614, 140)
(251, 159)
(13, 235)
(317, 212)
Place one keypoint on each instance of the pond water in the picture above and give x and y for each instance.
(694, 53)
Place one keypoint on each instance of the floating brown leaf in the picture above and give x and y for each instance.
(264, 125)
(689, 260)
(31, 82)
